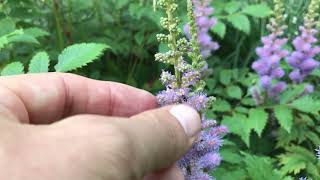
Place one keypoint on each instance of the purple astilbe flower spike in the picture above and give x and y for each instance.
(302, 59)
(209, 161)
(198, 101)
(203, 10)
(268, 64)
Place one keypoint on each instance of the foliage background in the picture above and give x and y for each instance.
(263, 151)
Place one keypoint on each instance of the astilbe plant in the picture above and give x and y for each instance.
(185, 86)
(302, 59)
(270, 55)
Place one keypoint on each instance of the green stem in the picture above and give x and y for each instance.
(196, 55)
(173, 43)
(55, 7)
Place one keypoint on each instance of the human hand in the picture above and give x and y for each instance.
(66, 127)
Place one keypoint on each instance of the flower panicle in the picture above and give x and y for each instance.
(186, 86)
(302, 59)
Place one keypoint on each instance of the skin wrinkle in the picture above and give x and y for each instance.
(25, 118)
(67, 100)
(111, 100)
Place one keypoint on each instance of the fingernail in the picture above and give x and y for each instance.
(188, 118)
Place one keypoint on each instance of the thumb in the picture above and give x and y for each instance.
(160, 137)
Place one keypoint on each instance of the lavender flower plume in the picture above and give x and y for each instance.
(270, 55)
(185, 86)
(204, 22)
(302, 59)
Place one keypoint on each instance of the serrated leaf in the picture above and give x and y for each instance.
(284, 116)
(240, 22)
(295, 160)
(39, 63)
(313, 137)
(238, 124)
(234, 92)
(313, 169)
(14, 68)
(79, 55)
(306, 104)
(220, 29)
(260, 168)
(258, 119)
(292, 93)
(258, 10)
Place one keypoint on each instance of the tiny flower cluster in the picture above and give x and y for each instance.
(204, 22)
(185, 86)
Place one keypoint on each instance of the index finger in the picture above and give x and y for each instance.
(46, 98)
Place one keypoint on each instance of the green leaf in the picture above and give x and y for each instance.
(39, 63)
(36, 32)
(234, 92)
(23, 38)
(222, 173)
(240, 22)
(242, 109)
(238, 124)
(79, 55)
(258, 119)
(221, 105)
(284, 116)
(291, 94)
(232, 7)
(231, 156)
(4, 40)
(260, 168)
(225, 76)
(295, 160)
(313, 137)
(14, 68)
(306, 104)
(7, 26)
(220, 29)
(258, 10)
